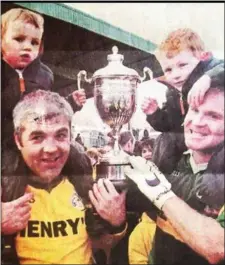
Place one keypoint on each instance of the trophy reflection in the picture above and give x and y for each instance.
(115, 99)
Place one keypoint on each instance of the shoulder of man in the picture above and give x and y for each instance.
(13, 187)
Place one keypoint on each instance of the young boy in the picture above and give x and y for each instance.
(183, 60)
(187, 68)
(22, 70)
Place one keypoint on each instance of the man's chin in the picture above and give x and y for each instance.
(207, 149)
(49, 176)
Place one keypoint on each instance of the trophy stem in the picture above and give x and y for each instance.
(116, 147)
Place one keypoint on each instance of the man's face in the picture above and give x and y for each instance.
(178, 68)
(20, 44)
(146, 153)
(129, 146)
(45, 146)
(204, 125)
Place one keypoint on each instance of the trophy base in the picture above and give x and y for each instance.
(120, 185)
(113, 172)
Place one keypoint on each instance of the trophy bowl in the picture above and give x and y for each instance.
(115, 99)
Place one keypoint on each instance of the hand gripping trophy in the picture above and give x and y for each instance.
(115, 99)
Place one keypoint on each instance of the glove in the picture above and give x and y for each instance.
(150, 181)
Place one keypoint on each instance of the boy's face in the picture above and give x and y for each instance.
(45, 146)
(20, 44)
(178, 68)
(204, 125)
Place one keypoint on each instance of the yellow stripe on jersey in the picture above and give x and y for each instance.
(56, 232)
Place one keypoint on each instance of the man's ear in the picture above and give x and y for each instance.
(17, 139)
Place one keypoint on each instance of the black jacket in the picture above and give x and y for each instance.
(36, 76)
(170, 117)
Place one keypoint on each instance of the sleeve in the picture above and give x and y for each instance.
(169, 117)
(107, 241)
(217, 75)
(221, 217)
(73, 104)
(46, 76)
(160, 120)
(140, 241)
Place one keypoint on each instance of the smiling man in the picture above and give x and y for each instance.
(57, 182)
(190, 220)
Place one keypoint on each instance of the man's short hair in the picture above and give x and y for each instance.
(179, 40)
(23, 15)
(125, 137)
(40, 105)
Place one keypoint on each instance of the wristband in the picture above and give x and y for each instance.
(162, 198)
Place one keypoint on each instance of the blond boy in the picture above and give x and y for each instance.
(22, 73)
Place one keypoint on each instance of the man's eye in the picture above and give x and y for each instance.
(183, 64)
(37, 138)
(214, 116)
(19, 39)
(61, 136)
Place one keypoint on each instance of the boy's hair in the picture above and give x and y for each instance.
(180, 40)
(39, 106)
(21, 14)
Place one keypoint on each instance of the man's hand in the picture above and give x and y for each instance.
(149, 106)
(109, 204)
(151, 182)
(198, 91)
(15, 214)
(79, 96)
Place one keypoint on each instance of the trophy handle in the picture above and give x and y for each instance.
(84, 73)
(150, 73)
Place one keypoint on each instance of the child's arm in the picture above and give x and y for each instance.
(163, 119)
(212, 78)
(77, 99)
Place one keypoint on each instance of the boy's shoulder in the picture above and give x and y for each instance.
(211, 63)
(45, 68)
(40, 72)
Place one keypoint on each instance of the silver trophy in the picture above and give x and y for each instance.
(115, 99)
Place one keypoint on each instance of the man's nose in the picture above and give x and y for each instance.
(50, 146)
(197, 120)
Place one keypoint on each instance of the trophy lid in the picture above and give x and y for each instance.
(115, 67)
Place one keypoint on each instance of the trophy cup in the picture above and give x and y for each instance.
(115, 99)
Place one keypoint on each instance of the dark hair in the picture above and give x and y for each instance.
(147, 143)
(125, 137)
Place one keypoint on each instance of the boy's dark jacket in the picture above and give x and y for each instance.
(36, 76)
(170, 117)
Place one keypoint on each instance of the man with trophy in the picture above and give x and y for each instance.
(187, 230)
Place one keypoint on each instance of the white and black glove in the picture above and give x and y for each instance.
(150, 181)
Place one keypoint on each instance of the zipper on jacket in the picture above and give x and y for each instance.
(181, 104)
(21, 80)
